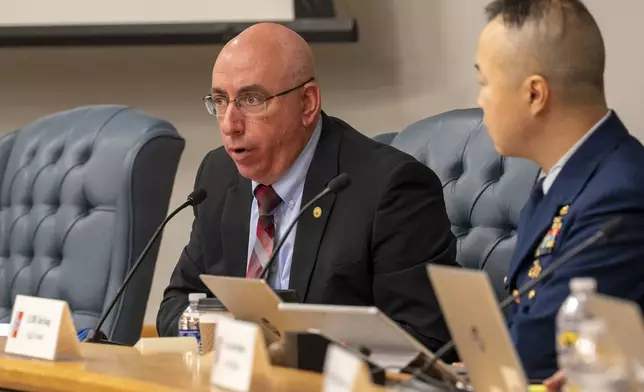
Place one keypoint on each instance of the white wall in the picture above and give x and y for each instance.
(82, 12)
(415, 58)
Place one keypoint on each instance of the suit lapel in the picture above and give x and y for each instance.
(311, 226)
(568, 184)
(234, 227)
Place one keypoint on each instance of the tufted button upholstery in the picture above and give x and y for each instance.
(81, 193)
(484, 192)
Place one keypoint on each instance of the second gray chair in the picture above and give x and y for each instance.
(484, 192)
(81, 193)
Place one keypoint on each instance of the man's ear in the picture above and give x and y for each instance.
(538, 93)
(311, 104)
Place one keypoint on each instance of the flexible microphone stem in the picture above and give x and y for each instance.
(282, 240)
(606, 231)
(194, 199)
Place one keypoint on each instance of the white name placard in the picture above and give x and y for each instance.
(238, 353)
(345, 371)
(42, 328)
(341, 370)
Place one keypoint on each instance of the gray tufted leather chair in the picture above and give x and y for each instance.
(81, 193)
(484, 192)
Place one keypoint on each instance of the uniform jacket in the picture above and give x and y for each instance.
(603, 179)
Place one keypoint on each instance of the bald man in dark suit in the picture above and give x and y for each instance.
(366, 246)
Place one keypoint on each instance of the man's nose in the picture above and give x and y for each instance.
(232, 121)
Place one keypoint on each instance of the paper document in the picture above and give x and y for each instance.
(4, 330)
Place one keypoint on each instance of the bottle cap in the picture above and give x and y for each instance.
(196, 296)
(583, 284)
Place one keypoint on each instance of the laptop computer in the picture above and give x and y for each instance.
(389, 345)
(250, 300)
(625, 326)
(255, 301)
(478, 328)
(359, 326)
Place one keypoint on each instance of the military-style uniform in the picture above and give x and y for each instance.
(604, 178)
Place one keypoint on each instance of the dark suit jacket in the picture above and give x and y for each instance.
(369, 247)
(603, 179)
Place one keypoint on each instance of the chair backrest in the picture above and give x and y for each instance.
(484, 192)
(81, 193)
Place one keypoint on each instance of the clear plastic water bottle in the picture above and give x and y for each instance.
(597, 366)
(571, 314)
(189, 320)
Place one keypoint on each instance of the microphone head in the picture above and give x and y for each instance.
(340, 182)
(610, 228)
(197, 196)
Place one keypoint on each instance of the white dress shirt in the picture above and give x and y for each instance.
(289, 187)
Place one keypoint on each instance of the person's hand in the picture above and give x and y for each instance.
(555, 382)
(459, 367)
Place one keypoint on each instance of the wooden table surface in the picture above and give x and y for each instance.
(117, 368)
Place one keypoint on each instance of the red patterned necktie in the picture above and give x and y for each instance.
(267, 202)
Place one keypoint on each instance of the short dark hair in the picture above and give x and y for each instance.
(516, 13)
(568, 43)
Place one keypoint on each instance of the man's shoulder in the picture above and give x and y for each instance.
(217, 169)
(371, 154)
(218, 159)
(628, 155)
(623, 169)
(617, 183)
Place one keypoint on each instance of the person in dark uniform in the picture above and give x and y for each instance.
(541, 69)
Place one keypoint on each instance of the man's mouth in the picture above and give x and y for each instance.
(240, 153)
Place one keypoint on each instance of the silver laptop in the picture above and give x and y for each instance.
(478, 328)
(255, 301)
(358, 326)
(390, 346)
(625, 326)
(250, 300)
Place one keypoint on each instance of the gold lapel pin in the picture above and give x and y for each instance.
(317, 212)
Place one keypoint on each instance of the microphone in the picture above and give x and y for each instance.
(96, 335)
(605, 232)
(336, 185)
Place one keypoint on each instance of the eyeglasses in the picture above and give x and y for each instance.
(247, 103)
